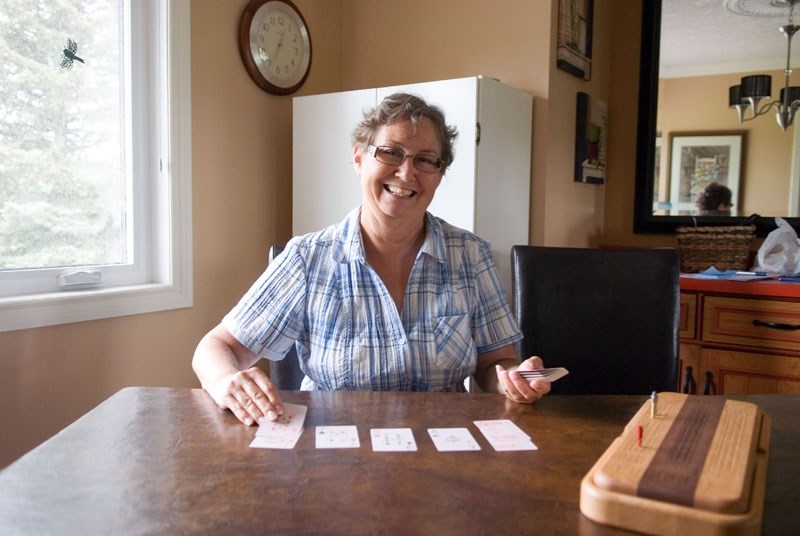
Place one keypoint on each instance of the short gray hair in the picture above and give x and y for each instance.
(405, 107)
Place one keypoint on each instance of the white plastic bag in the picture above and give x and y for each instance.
(780, 252)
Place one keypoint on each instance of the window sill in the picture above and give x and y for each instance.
(39, 310)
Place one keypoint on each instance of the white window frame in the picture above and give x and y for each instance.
(169, 196)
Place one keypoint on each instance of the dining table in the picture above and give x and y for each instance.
(159, 460)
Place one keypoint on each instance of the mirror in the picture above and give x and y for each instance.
(663, 198)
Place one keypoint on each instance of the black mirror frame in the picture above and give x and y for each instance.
(644, 221)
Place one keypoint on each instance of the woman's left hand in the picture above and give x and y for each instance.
(518, 388)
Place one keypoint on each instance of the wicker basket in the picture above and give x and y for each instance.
(724, 247)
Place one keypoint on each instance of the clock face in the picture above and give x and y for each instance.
(279, 47)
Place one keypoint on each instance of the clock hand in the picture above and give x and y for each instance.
(278, 47)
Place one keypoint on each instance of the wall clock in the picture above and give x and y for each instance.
(275, 45)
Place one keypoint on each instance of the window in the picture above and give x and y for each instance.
(95, 156)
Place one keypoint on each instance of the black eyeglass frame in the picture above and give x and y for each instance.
(419, 161)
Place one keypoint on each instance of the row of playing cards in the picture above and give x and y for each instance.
(284, 432)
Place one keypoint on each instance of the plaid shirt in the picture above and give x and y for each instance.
(321, 295)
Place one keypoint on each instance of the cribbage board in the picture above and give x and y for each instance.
(699, 468)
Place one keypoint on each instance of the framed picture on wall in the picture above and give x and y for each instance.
(591, 126)
(696, 160)
(574, 50)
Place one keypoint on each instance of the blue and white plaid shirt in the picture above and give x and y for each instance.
(321, 295)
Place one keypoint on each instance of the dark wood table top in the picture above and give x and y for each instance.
(163, 461)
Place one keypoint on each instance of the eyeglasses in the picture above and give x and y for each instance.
(395, 157)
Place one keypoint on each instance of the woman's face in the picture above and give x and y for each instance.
(401, 192)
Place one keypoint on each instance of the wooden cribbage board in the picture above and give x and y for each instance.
(701, 469)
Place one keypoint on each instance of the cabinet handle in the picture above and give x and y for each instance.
(689, 385)
(776, 325)
(709, 388)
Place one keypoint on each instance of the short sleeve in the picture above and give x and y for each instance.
(269, 317)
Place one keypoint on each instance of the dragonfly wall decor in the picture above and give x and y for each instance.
(69, 55)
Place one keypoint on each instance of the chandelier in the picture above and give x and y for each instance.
(755, 88)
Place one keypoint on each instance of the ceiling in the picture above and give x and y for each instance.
(713, 37)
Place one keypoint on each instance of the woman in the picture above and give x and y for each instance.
(391, 298)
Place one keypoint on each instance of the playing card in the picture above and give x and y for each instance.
(283, 432)
(337, 437)
(453, 439)
(278, 441)
(290, 423)
(392, 439)
(503, 434)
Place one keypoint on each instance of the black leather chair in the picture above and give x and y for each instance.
(285, 374)
(610, 316)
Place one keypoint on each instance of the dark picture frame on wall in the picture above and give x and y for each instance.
(591, 126)
(574, 50)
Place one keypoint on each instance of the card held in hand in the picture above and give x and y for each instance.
(545, 374)
(283, 432)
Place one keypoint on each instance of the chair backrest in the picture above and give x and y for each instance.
(610, 316)
(285, 374)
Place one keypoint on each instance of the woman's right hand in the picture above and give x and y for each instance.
(249, 394)
(225, 369)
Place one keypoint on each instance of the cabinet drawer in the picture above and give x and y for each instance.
(730, 320)
(741, 373)
(688, 316)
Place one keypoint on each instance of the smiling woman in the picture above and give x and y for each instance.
(391, 298)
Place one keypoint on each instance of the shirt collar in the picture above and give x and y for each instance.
(349, 247)
(434, 244)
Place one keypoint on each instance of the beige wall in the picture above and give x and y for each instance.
(242, 174)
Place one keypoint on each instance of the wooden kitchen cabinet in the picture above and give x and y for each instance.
(739, 337)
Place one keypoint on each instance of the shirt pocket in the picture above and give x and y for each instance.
(454, 346)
